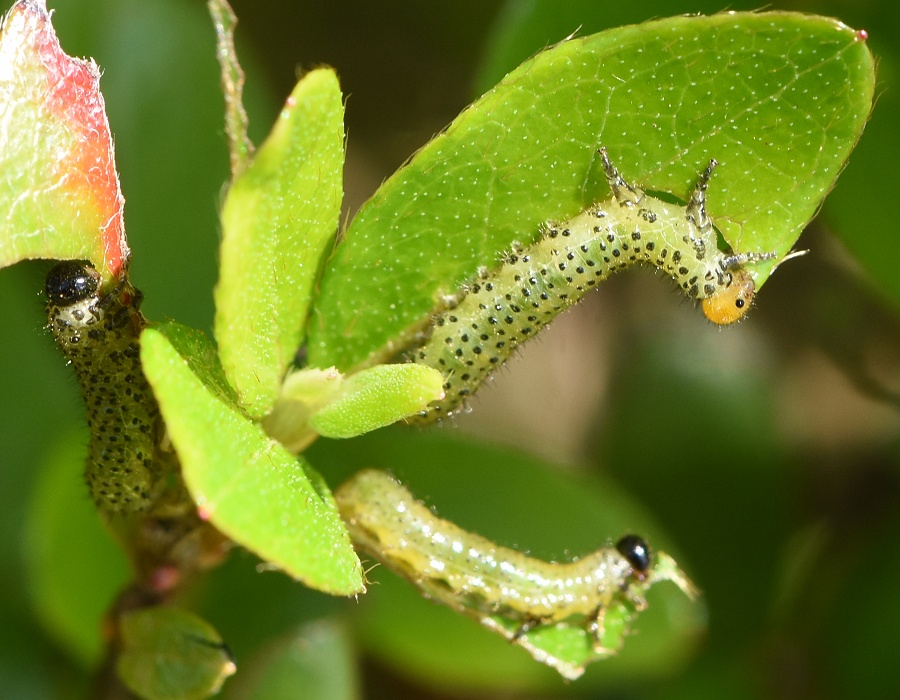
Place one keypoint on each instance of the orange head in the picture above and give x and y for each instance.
(731, 303)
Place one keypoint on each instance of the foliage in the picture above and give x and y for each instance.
(715, 472)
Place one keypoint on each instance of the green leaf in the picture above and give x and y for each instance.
(858, 210)
(324, 402)
(74, 567)
(245, 483)
(303, 392)
(779, 99)
(377, 397)
(859, 636)
(339, 407)
(568, 646)
(60, 189)
(277, 222)
(730, 510)
(521, 30)
(250, 604)
(318, 658)
(171, 654)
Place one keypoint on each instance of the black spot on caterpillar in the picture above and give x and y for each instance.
(482, 579)
(512, 303)
(99, 334)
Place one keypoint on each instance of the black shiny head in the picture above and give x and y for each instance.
(636, 550)
(71, 281)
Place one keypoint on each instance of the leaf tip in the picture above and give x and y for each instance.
(58, 98)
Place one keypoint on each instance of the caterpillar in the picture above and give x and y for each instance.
(510, 304)
(484, 580)
(99, 335)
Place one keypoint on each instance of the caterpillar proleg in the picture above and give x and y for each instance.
(506, 306)
(99, 335)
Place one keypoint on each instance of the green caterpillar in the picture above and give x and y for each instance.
(481, 579)
(99, 335)
(506, 306)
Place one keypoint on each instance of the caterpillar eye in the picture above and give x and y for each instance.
(636, 551)
(71, 281)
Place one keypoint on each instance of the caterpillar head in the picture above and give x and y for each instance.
(71, 282)
(730, 304)
(636, 552)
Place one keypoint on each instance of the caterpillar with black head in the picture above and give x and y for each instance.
(99, 334)
(512, 303)
(481, 579)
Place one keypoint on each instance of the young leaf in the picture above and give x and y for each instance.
(60, 190)
(278, 220)
(324, 402)
(171, 654)
(377, 397)
(779, 99)
(244, 482)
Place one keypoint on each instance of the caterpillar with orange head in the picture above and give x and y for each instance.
(506, 306)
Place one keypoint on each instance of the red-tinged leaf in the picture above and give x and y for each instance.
(58, 183)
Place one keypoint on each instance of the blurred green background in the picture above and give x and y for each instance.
(765, 455)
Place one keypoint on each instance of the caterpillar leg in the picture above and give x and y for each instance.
(738, 260)
(696, 210)
(625, 193)
(696, 214)
(596, 628)
(528, 624)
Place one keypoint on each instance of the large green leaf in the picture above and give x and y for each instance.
(853, 210)
(779, 99)
(318, 658)
(74, 567)
(857, 211)
(59, 188)
(278, 220)
(244, 482)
